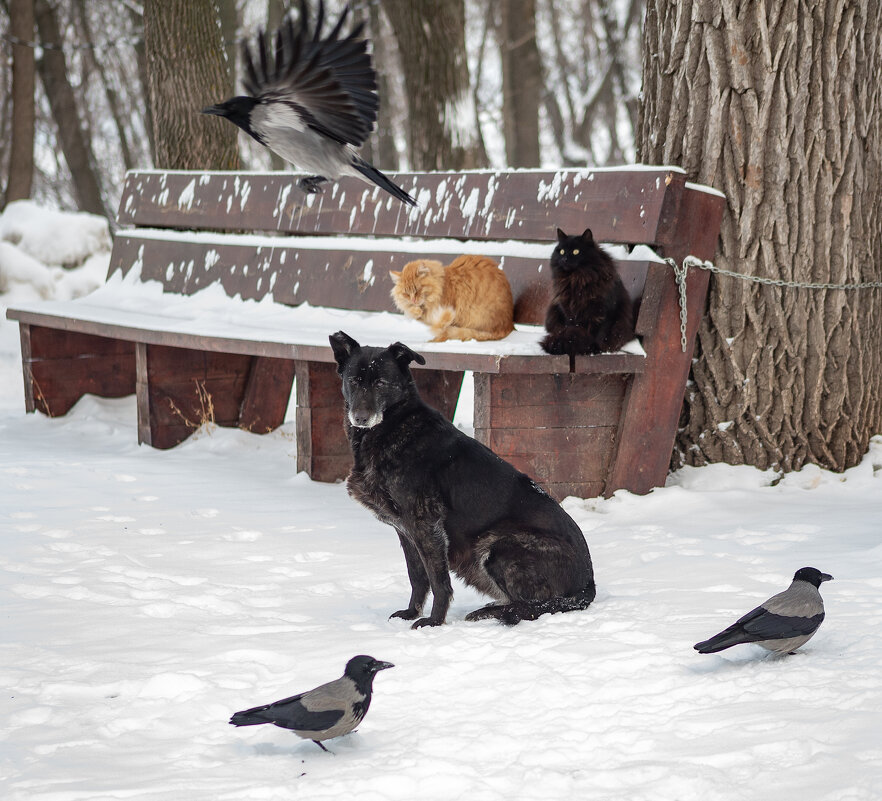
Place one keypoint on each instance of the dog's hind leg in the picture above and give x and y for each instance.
(419, 581)
(537, 578)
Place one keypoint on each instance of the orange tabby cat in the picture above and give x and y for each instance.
(470, 298)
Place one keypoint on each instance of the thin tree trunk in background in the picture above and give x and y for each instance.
(141, 56)
(380, 149)
(521, 82)
(440, 122)
(275, 13)
(109, 92)
(229, 23)
(74, 144)
(21, 153)
(186, 71)
(782, 110)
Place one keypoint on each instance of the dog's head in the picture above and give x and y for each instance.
(374, 379)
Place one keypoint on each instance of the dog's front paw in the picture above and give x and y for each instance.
(405, 614)
(426, 621)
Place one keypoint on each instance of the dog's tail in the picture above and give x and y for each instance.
(513, 613)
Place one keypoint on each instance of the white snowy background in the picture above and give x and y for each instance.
(147, 595)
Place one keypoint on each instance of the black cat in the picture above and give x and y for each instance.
(590, 310)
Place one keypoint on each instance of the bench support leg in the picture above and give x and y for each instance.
(180, 390)
(322, 448)
(60, 367)
(560, 429)
(267, 394)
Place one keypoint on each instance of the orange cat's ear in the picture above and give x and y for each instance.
(561, 235)
(395, 276)
(423, 269)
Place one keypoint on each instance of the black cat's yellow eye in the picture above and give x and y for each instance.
(561, 251)
(576, 252)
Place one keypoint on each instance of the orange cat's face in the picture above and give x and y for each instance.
(416, 287)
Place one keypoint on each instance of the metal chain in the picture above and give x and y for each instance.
(681, 270)
(692, 261)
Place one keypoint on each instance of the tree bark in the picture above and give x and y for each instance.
(431, 41)
(521, 82)
(75, 144)
(781, 109)
(21, 152)
(187, 71)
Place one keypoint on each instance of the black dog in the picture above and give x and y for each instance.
(454, 503)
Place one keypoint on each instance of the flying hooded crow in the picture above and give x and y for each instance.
(313, 101)
(783, 623)
(328, 711)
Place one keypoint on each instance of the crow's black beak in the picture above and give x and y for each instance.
(826, 577)
(220, 111)
(378, 666)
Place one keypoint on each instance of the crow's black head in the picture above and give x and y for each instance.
(237, 110)
(812, 575)
(362, 669)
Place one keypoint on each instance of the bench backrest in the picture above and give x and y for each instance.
(257, 233)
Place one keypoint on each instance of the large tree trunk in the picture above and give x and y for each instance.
(441, 119)
(21, 152)
(187, 70)
(75, 145)
(521, 82)
(780, 107)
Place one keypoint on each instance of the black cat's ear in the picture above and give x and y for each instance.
(587, 235)
(404, 355)
(343, 346)
(561, 235)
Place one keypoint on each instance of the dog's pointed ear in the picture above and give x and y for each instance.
(404, 355)
(343, 345)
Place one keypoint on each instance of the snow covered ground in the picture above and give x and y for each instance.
(146, 595)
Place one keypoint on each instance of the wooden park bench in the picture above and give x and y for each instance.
(584, 427)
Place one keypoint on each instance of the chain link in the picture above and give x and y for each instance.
(681, 270)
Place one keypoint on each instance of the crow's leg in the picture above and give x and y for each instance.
(312, 183)
(322, 747)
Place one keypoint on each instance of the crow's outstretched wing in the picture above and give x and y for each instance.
(329, 83)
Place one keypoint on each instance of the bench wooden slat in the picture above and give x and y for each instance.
(333, 277)
(620, 205)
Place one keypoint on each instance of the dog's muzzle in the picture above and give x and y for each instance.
(364, 420)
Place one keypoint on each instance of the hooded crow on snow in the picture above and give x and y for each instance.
(313, 102)
(783, 623)
(328, 711)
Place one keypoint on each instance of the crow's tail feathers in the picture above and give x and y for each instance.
(513, 613)
(250, 717)
(373, 174)
(722, 641)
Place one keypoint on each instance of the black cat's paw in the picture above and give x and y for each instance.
(554, 346)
